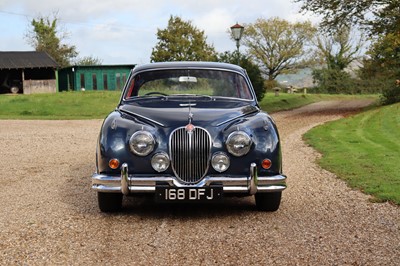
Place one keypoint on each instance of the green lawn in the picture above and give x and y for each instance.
(63, 105)
(364, 150)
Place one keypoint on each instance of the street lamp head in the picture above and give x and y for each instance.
(237, 31)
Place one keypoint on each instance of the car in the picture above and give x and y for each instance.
(188, 132)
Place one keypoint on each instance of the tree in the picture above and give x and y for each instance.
(380, 16)
(382, 19)
(277, 45)
(88, 61)
(336, 51)
(45, 36)
(382, 67)
(253, 71)
(339, 49)
(181, 41)
(333, 81)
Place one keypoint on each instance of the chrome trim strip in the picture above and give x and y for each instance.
(239, 116)
(141, 116)
(129, 184)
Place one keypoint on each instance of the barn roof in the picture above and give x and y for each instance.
(20, 60)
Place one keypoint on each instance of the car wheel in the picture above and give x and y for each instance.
(109, 202)
(14, 89)
(268, 201)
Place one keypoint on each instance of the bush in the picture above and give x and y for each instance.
(391, 95)
(333, 81)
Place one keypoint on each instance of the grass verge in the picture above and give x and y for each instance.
(363, 150)
(284, 101)
(59, 106)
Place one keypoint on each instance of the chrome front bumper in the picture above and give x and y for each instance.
(130, 184)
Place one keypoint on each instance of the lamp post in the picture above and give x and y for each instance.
(237, 32)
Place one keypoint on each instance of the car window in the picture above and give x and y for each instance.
(215, 83)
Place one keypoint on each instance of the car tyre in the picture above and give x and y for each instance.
(268, 201)
(109, 202)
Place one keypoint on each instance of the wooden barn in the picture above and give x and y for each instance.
(98, 77)
(27, 72)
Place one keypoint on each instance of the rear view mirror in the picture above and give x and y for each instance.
(187, 79)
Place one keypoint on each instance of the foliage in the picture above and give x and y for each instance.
(339, 49)
(252, 70)
(379, 16)
(336, 51)
(385, 53)
(271, 84)
(387, 18)
(370, 139)
(45, 36)
(391, 95)
(382, 19)
(88, 61)
(333, 81)
(277, 45)
(383, 66)
(181, 41)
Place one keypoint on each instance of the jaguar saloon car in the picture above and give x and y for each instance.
(188, 132)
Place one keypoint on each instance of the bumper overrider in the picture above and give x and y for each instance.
(131, 184)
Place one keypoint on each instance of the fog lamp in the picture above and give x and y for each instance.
(220, 162)
(160, 162)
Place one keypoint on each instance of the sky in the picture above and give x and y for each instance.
(124, 31)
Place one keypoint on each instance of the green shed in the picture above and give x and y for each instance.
(99, 77)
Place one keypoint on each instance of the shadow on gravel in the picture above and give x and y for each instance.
(148, 208)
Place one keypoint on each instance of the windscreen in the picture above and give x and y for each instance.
(214, 83)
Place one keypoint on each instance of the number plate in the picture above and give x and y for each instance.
(188, 194)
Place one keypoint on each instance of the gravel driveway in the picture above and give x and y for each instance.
(49, 214)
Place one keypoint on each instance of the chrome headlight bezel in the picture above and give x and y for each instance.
(238, 143)
(218, 159)
(142, 143)
(160, 162)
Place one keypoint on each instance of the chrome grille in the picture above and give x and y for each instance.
(190, 154)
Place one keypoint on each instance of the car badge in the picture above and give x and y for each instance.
(189, 128)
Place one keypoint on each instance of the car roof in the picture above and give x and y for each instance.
(188, 64)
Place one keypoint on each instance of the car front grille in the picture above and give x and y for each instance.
(190, 154)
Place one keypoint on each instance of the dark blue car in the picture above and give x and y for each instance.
(188, 132)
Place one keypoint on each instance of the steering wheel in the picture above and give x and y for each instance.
(155, 93)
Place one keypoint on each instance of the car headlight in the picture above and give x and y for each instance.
(160, 162)
(142, 143)
(238, 143)
(220, 162)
